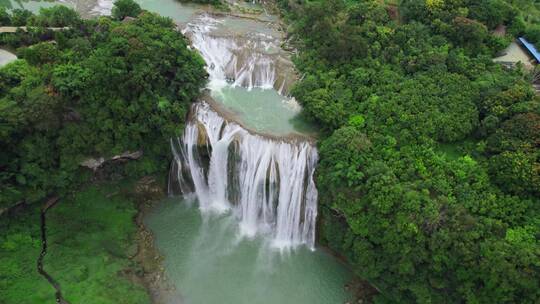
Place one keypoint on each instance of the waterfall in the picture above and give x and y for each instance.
(253, 60)
(103, 7)
(266, 183)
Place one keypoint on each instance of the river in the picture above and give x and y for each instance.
(240, 226)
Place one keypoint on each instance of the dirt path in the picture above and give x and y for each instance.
(50, 203)
(13, 29)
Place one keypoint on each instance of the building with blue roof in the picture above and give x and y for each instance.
(531, 49)
(522, 51)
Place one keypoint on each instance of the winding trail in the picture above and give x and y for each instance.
(59, 298)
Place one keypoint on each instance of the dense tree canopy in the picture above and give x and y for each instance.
(97, 89)
(429, 170)
(125, 8)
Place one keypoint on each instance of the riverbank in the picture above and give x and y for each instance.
(148, 193)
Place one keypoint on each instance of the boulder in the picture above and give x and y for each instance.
(96, 163)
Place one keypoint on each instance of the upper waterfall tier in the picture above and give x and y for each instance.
(267, 183)
(249, 73)
(234, 55)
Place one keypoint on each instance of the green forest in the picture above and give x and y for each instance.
(429, 173)
(429, 151)
(99, 88)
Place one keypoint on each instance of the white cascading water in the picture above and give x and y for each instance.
(253, 61)
(267, 183)
(103, 7)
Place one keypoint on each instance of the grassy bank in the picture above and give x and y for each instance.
(20, 245)
(92, 242)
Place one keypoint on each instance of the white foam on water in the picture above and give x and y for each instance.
(103, 7)
(244, 61)
(266, 184)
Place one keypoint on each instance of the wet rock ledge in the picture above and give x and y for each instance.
(147, 194)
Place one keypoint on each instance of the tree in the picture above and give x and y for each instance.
(516, 172)
(5, 18)
(20, 17)
(80, 94)
(125, 8)
(56, 16)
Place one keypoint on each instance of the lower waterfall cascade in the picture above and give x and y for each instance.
(267, 183)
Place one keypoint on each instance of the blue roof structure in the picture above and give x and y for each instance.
(530, 48)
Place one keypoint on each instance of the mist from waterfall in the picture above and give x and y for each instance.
(268, 184)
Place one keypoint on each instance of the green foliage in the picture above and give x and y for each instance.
(99, 252)
(20, 246)
(533, 34)
(20, 17)
(56, 16)
(41, 53)
(516, 172)
(429, 166)
(70, 80)
(5, 18)
(96, 90)
(90, 237)
(125, 8)
(357, 121)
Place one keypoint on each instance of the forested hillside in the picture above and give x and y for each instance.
(98, 88)
(94, 89)
(429, 162)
